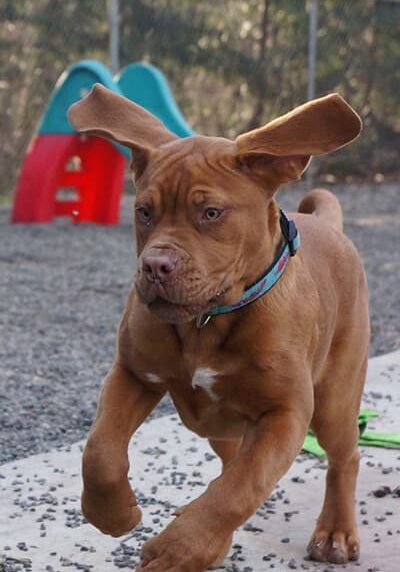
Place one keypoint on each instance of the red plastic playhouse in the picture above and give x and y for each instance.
(65, 173)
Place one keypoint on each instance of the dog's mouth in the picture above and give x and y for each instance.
(173, 312)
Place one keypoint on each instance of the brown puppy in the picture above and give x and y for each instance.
(251, 381)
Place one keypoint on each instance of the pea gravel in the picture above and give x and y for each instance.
(62, 291)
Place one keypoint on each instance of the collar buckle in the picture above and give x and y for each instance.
(289, 232)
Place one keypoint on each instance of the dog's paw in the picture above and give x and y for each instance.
(334, 546)
(175, 548)
(111, 516)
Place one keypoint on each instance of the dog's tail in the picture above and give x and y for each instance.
(323, 204)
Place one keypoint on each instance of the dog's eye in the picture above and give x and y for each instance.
(144, 214)
(212, 213)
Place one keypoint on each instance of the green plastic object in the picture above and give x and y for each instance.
(367, 439)
(73, 84)
(147, 86)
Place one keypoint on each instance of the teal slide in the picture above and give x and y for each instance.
(140, 82)
(146, 85)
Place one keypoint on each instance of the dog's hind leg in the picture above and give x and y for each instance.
(335, 423)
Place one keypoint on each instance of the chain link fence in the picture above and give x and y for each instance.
(232, 65)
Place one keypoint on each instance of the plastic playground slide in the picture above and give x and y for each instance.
(91, 168)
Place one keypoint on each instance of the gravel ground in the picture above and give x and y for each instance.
(62, 291)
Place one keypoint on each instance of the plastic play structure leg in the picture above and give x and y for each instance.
(89, 169)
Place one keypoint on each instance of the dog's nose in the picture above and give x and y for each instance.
(158, 266)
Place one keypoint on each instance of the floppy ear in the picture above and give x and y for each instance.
(107, 114)
(284, 146)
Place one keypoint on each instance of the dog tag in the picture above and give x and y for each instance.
(203, 320)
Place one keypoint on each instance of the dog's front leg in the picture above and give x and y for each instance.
(197, 538)
(108, 501)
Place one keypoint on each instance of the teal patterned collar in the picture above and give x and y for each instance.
(291, 243)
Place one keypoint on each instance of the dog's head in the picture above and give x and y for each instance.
(205, 215)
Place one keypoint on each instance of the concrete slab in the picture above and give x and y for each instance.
(42, 529)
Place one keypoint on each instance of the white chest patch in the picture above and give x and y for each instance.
(204, 377)
(153, 378)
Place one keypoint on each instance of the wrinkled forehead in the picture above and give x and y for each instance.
(182, 164)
